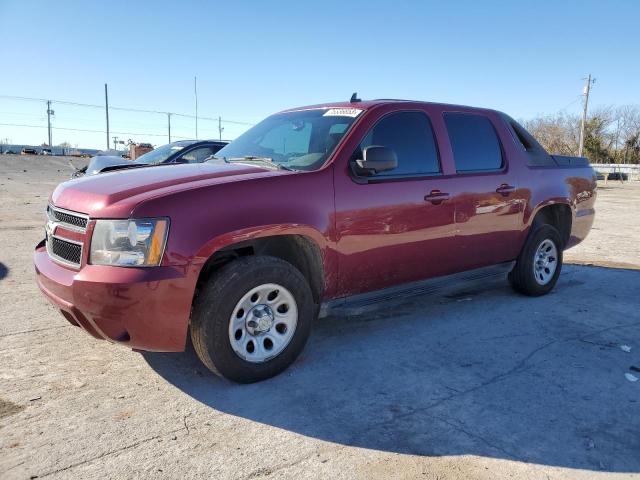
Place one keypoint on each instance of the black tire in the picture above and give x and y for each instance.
(216, 302)
(523, 276)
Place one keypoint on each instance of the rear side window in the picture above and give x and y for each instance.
(410, 135)
(474, 142)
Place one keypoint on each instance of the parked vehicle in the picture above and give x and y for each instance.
(45, 151)
(28, 151)
(314, 210)
(618, 176)
(184, 151)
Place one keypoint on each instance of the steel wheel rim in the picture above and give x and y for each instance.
(545, 262)
(263, 323)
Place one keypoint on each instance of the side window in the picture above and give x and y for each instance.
(474, 142)
(410, 135)
(197, 155)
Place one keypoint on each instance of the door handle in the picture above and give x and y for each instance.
(505, 189)
(436, 197)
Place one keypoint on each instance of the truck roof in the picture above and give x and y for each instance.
(369, 104)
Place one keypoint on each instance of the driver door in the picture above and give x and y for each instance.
(394, 227)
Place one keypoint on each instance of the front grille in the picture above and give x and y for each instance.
(67, 218)
(67, 252)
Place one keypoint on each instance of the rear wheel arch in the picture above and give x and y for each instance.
(558, 215)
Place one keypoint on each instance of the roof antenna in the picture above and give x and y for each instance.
(354, 98)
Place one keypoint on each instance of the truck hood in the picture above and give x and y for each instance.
(116, 194)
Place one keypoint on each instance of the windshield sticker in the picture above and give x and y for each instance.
(342, 112)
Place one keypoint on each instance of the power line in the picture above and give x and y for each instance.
(22, 114)
(106, 108)
(20, 125)
(87, 130)
(572, 102)
(61, 102)
(234, 122)
(125, 109)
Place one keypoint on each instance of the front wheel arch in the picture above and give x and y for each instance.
(301, 251)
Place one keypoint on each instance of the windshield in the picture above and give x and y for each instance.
(301, 140)
(160, 154)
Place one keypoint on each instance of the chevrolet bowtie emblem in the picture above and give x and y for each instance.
(50, 228)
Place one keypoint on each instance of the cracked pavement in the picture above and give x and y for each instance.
(483, 384)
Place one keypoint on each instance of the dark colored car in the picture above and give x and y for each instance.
(28, 151)
(183, 151)
(618, 176)
(327, 208)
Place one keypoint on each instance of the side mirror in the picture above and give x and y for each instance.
(376, 159)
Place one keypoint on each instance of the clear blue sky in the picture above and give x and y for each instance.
(254, 58)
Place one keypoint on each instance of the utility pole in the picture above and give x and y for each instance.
(585, 92)
(195, 91)
(106, 109)
(115, 142)
(220, 127)
(49, 113)
(615, 148)
(169, 125)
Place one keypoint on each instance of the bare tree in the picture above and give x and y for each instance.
(611, 134)
(629, 142)
(557, 133)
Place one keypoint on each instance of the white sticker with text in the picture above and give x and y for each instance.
(342, 112)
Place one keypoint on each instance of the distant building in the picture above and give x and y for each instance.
(137, 149)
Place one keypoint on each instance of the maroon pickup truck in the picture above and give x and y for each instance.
(314, 210)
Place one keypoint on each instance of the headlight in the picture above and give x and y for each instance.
(129, 243)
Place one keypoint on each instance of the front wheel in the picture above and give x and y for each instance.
(539, 263)
(252, 319)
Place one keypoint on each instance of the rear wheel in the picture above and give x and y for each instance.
(252, 318)
(539, 263)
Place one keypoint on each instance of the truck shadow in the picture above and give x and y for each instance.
(4, 270)
(483, 372)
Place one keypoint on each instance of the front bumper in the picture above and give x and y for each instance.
(142, 308)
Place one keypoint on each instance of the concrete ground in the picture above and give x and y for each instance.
(481, 384)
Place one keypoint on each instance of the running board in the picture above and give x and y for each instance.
(363, 302)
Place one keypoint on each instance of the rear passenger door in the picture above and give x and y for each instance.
(396, 226)
(488, 204)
